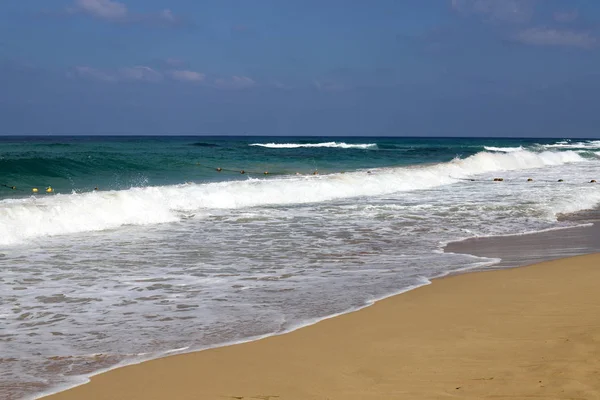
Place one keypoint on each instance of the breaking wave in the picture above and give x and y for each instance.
(340, 145)
(567, 144)
(23, 219)
(504, 149)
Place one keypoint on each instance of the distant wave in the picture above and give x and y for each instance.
(23, 219)
(340, 145)
(567, 144)
(504, 149)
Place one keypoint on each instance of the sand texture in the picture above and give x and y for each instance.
(524, 333)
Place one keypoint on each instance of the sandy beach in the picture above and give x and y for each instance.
(531, 332)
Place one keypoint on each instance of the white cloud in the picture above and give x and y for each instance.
(115, 11)
(500, 10)
(167, 16)
(104, 9)
(140, 73)
(137, 73)
(93, 73)
(282, 86)
(187, 76)
(556, 37)
(235, 82)
(328, 86)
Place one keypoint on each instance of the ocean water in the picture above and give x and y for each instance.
(170, 255)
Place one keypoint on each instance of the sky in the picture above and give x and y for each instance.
(301, 67)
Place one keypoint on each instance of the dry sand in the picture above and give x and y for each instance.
(531, 332)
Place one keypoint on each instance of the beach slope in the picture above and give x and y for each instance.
(531, 332)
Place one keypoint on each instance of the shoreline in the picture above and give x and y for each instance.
(85, 379)
(520, 250)
(99, 383)
(465, 246)
(187, 350)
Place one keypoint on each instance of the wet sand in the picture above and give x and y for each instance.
(521, 250)
(531, 332)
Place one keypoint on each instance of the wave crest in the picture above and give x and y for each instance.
(22, 219)
(503, 149)
(339, 145)
(567, 144)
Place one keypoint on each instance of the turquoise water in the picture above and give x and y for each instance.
(169, 255)
(112, 163)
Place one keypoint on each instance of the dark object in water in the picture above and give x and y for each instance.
(202, 144)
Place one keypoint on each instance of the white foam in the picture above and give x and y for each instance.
(340, 145)
(504, 149)
(573, 203)
(78, 380)
(22, 219)
(566, 144)
(443, 244)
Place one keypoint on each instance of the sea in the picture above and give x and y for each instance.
(134, 248)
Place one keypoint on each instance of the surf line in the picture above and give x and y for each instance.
(242, 171)
(528, 180)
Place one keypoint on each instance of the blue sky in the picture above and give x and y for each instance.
(283, 67)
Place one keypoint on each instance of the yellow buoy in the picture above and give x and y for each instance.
(49, 189)
(34, 190)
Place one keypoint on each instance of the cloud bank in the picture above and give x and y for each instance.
(115, 11)
(556, 37)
